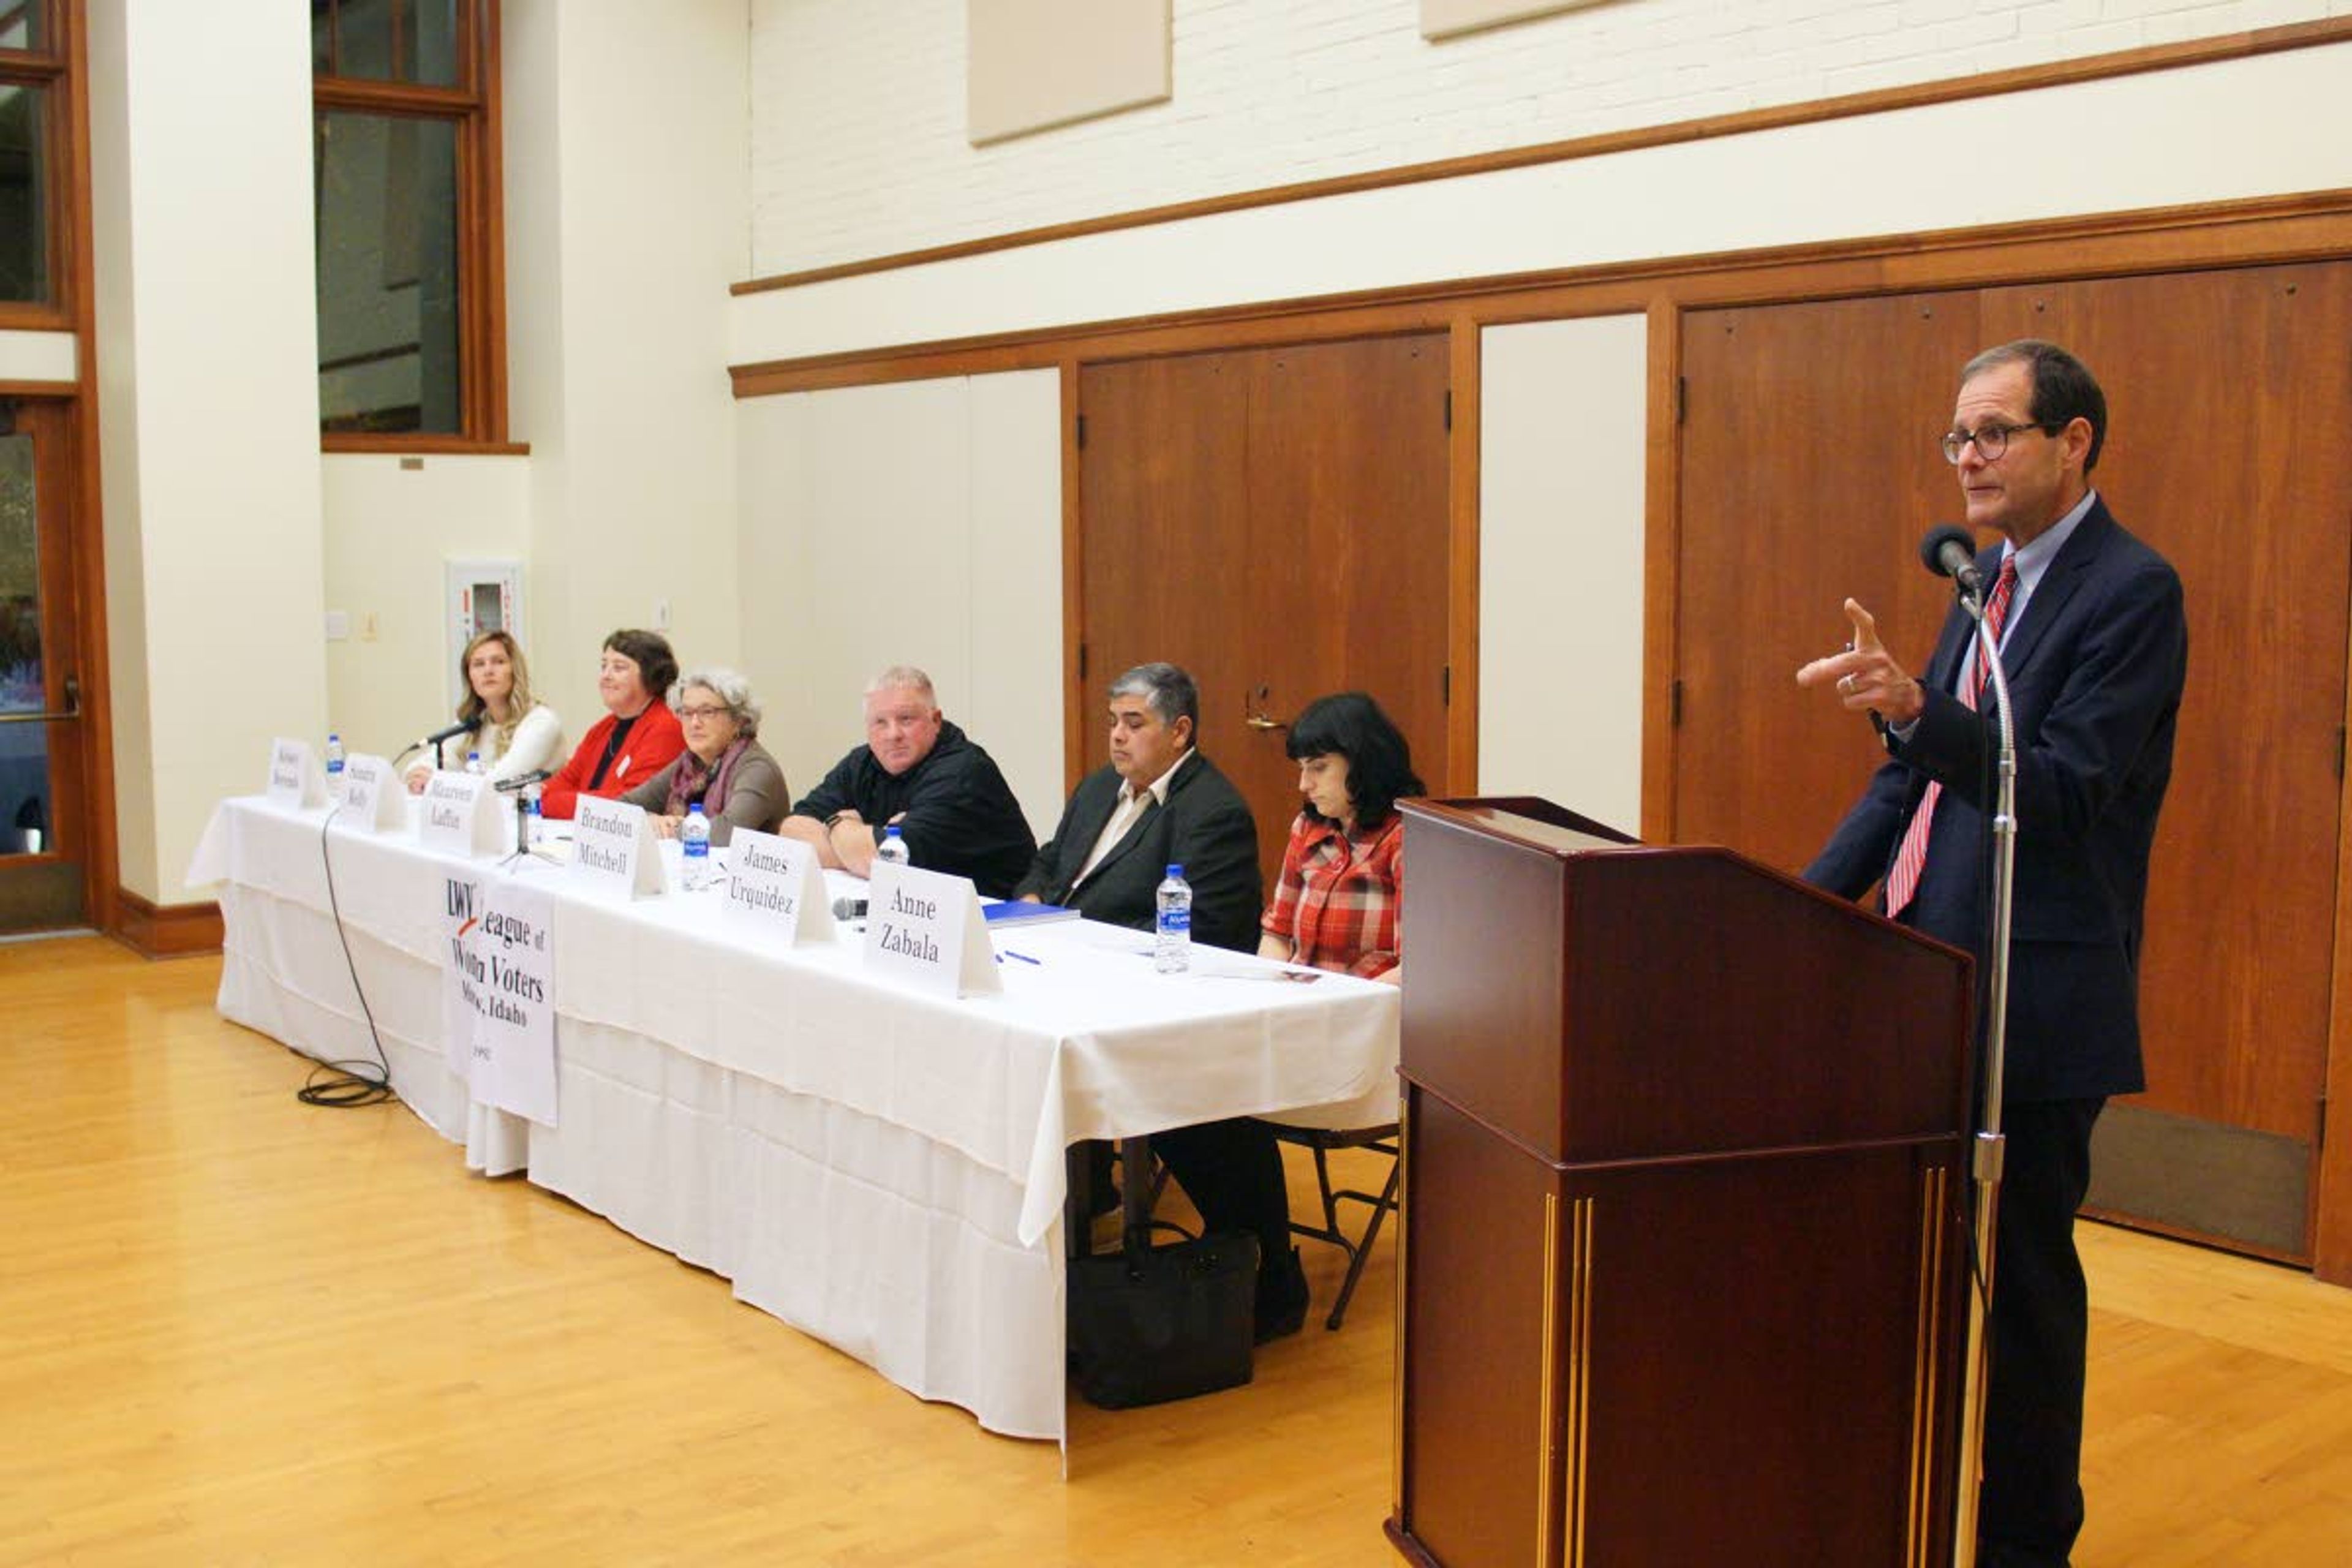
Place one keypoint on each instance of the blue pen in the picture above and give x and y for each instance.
(1024, 957)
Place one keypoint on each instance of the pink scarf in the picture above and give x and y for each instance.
(684, 783)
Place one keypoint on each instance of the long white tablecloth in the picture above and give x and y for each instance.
(882, 1169)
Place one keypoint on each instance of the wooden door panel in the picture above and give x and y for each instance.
(1275, 520)
(2218, 383)
(1810, 473)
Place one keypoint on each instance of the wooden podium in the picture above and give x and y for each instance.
(1683, 1271)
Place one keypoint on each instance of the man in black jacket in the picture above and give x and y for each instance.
(917, 771)
(1158, 803)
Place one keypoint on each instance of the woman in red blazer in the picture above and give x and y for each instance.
(638, 736)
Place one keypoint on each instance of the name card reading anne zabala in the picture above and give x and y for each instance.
(924, 927)
(374, 799)
(460, 815)
(774, 886)
(295, 781)
(612, 848)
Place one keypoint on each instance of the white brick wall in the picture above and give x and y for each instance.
(857, 118)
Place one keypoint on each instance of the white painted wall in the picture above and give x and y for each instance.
(208, 410)
(2269, 125)
(625, 222)
(858, 149)
(389, 531)
(913, 523)
(1563, 432)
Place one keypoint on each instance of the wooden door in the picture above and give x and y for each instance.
(45, 841)
(1275, 520)
(1809, 471)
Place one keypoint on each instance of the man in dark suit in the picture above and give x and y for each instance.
(1157, 802)
(1160, 803)
(2094, 643)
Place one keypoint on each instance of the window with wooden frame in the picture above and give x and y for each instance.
(412, 308)
(35, 83)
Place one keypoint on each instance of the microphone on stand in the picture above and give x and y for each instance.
(848, 908)
(432, 742)
(1949, 551)
(522, 782)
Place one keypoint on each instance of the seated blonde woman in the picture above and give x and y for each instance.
(724, 769)
(515, 734)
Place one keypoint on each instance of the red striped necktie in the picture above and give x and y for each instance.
(1912, 858)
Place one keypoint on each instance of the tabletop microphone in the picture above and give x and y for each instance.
(524, 781)
(848, 908)
(461, 727)
(1949, 551)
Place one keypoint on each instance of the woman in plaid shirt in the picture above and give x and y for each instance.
(1335, 904)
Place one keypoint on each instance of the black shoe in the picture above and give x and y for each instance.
(1281, 1296)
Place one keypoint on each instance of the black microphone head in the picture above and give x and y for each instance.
(1932, 548)
(848, 908)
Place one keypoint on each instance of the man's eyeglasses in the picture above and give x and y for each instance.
(1990, 440)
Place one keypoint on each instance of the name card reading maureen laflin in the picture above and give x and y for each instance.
(456, 815)
(924, 928)
(497, 995)
(774, 886)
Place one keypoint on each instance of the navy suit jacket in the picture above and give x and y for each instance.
(1205, 825)
(2096, 665)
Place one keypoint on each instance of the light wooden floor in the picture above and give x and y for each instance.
(234, 1328)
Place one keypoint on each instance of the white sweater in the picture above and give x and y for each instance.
(538, 745)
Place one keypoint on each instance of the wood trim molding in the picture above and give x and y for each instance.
(419, 446)
(1464, 379)
(1880, 101)
(165, 930)
(2307, 226)
(100, 884)
(1661, 553)
(40, 389)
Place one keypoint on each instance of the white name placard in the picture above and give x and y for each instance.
(460, 815)
(775, 886)
(295, 780)
(374, 798)
(497, 998)
(612, 848)
(925, 927)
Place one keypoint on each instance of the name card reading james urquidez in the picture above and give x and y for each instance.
(374, 800)
(612, 848)
(924, 927)
(295, 780)
(459, 815)
(774, 885)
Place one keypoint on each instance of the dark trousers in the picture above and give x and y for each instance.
(1232, 1173)
(2031, 1507)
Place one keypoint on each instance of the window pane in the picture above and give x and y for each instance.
(387, 40)
(24, 193)
(24, 748)
(22, 26)
(388, 313)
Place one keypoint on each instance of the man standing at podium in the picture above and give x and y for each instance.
(2094, 644)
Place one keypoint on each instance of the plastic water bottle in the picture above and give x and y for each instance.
(334, 766)
(694, 839)
(534, 822)
(474, 763)
(892, 848)
(1172, 943)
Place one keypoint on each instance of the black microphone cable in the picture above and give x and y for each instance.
(353, 1083)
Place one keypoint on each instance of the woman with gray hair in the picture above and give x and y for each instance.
(724, 769)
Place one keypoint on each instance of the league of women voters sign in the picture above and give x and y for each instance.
(497, 995)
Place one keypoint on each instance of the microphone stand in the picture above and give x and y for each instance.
(1986, 1167)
